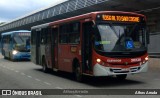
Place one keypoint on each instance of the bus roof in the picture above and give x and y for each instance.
(11, 32)
(84, 16)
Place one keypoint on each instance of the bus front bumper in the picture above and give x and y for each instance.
(21, 55)
(100, 70)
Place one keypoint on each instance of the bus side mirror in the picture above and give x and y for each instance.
(148, 37)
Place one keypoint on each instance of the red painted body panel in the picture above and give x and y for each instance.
(65, 57)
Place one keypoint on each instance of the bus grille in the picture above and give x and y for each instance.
(123, 70)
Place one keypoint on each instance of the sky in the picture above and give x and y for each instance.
(12, 9)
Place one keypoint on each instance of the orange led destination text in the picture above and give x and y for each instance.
(120, 18)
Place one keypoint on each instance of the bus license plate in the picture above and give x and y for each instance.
(126, 69)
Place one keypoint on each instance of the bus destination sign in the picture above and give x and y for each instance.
(121, 18)
(24, 34)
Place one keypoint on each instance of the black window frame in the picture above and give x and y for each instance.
(68, 32)
(33, 36)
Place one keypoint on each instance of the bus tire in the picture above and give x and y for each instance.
(44, 66)
(121, 77)
(78, 74)
(4, 56)
(11, 57)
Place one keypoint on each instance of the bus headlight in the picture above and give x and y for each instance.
(98, 60)
(146, 58)
(14, 52)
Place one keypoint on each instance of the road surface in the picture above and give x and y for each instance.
(26, 75)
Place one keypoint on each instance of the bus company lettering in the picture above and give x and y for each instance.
(136, 60)
(114, 60)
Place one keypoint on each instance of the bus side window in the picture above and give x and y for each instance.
(43, 36)
(48, 35)
(63, 35)
(33, 36)
(74, 33)
(10, 39)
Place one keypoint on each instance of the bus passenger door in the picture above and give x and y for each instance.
(87, 46)
(54, 48)
(48, 48)
(37, 38)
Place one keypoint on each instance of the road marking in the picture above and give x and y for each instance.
(59, 88)
(37, 80)
(29, 76)
(23, 73)
(47, 83)
(17, 71)
(12, 69)
(157, 79)
(7, 68)
(78, 95)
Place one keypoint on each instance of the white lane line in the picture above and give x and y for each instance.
(23, 73)
(8, 68)
(29, 76)
(59, 88)
(157, 79)
(37, 80)
(12, 69)
(16, 71)
(47, 83)
(78, 95)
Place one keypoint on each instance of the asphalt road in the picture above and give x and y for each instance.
(26, 75)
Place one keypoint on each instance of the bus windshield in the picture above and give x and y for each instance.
(120, 37)
(22, 41)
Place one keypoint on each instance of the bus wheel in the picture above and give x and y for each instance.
(78, 75)
(44, 66)
(5, 56)
(10, 57)
(121, 77)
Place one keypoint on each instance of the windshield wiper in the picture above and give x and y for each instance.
(110, 24)
(21, 38)
(133, 28)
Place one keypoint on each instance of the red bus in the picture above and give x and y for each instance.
(104, 43)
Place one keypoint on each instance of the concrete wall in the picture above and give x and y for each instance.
(154, 45)
(153, 24)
